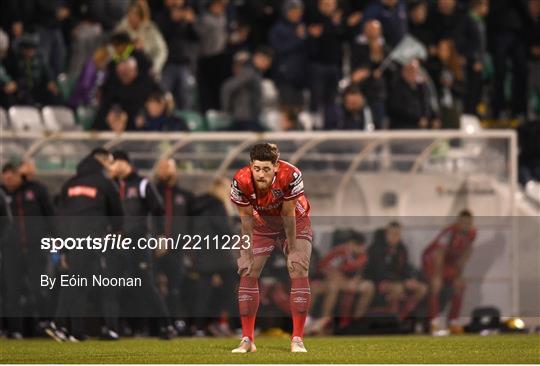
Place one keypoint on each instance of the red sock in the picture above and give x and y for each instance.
(300, 301)
(455, 305)
(248, 303)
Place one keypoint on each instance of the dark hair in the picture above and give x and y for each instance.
(393, 225)
(120, 155)
(264, 50)
(475, 3)
(352, 89)
(264, 152)
(99, 151)
(157, 96)
(465, 213)
(120, 38)
(9, 167)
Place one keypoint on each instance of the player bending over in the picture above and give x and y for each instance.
(443, 262)
(270, 197)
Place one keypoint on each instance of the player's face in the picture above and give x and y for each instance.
(11, 179)
(393, 235)
(263, 173)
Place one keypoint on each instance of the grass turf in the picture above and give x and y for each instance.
(381, 349)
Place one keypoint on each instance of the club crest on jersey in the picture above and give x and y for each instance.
(131, 192)
(29, 196)
(277, 193)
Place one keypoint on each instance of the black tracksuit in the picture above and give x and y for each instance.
(211, 219)
(5, 225)
(178, 205)
(387, 263)
(24, 261)
(140, 199)
(89, 204)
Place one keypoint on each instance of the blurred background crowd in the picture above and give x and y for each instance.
(325, 57)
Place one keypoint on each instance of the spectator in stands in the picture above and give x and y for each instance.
(123, 96)
(446, 72)
(393, 16)
(145, 34)
(124, 48)
(288, 39)
(49, 17)
(419, 27)
(158, 114)
(353, 114)
(326, 33)
(90, 79)
(17, 17)
(408, 104)
(34, 81)
(108, 12)
(368, 51)
(534, 57)
(445, 20)
(176, 23)
(241, 95)
(8, 87)
(289, 119)
(529, 153)
(343, 271)
(395, 278)
(474, 50)
(212, 67)
(85, 35)
(508, 28)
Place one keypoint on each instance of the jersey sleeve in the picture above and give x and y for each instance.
(238, 196)
(295, 185)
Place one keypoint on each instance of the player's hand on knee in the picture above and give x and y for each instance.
(245, 265)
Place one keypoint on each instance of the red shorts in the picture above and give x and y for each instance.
(264, 243)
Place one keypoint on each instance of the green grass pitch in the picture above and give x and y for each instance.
(380, 349)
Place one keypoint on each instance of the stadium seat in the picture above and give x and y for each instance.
(4, 123)
(25, 118)
(59, 119)
(85, 117)
(217, 120)
(193, 119)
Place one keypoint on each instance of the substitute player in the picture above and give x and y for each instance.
(270, 197)
(443, 262)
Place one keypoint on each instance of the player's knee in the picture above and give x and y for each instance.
(367, 288)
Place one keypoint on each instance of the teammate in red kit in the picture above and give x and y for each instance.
(270, 197)
(443, 262)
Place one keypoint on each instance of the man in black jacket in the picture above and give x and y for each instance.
(89, 205)
(5, 225)
(388, 266)
(178, 204)
(24, 261)
(140, 199)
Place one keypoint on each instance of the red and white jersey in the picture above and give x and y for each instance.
(454, 242)
(288, 184)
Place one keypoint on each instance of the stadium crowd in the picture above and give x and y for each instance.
(193, 292)
(326, 57)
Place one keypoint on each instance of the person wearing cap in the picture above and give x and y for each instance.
(89, 205)
(141, 199)
(8, 87)
(32, 75)
(241, 94)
